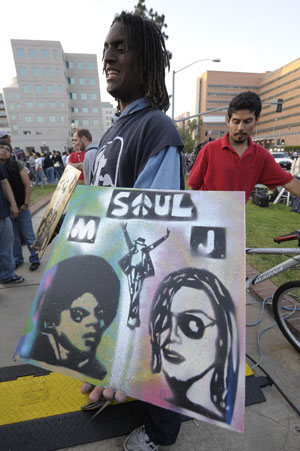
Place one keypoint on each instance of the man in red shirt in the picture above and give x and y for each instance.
(234, 162)
(76, 158)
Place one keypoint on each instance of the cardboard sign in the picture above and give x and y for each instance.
(145, 292)
(56, 206)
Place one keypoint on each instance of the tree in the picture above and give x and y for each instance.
(141, 10)
(186, 130)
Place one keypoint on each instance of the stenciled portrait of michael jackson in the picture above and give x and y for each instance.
(79, 304)
(194, 341)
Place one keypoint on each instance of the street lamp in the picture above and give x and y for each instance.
(216, 60)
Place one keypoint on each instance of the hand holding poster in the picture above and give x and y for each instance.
(144, 292)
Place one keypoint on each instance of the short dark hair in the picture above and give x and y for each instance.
(151, 59)
(71, 278)
(4, 142)
(84, 132)
(247, 100)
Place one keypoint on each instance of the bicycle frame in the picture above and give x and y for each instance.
(288, 264)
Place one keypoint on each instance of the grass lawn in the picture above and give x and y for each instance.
(37, 192)
(262, 224)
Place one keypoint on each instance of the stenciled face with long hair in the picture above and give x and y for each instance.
(81, 326)
(188, 341)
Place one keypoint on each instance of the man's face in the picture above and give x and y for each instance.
(121, 77)
(81, 326)
(241, 125)
(4, 152)
(188, 345)
(77, 143)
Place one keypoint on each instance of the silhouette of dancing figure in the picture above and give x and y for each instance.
(137, 265)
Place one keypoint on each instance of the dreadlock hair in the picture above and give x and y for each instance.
(146, 41)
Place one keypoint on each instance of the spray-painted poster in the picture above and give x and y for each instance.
(144, 292)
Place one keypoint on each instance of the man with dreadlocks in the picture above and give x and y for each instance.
(140, 150)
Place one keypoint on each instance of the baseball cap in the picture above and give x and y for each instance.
(3, 133)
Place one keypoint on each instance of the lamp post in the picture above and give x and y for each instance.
(216, 60)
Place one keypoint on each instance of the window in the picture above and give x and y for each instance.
(69, 64)
(40, 118)
(23, 71)
(92, 81)
(11, 106)
(57, 70)
(52, 118)
(83, 96)
(20, 53)
(96, 122)
(93, 96)
(48, 71)
(28, 118)
(29, 105)
(35, 72)
(15, 127)
(8, 95)
(76, 122)
(85, 122)
(18, 106)
(91, 65)
(45, 54)
(26, 132)
(32, 53)
(95, 110)
(38, 89)
(85, 110)
(41, 104)
(80, 65)
(17, 95)
(39, 132)
(62, 104)
(62, 118)
(52, 104)
(71, 80)
(13, 117)
(73, 95)
(82, 81)
(59, 89)
(26, 89)
(55, 54)
(75, 110)
(50, 89)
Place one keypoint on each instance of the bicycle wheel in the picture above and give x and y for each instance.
(286, 309)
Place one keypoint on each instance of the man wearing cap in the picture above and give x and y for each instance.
(7, 263)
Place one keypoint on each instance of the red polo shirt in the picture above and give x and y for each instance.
(77, 157)
(218, 167)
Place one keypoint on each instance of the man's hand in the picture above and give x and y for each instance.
(14, 211)
(95, 393)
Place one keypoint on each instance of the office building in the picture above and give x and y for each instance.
(108, 112)
(215, 89)
(53, 93)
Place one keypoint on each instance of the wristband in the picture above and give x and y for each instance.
(26, 205)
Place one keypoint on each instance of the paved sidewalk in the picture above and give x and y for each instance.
(272, 425)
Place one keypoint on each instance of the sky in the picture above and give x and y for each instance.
(255, 36)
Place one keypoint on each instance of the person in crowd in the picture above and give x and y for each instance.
(20, 184)
(7, 263)
(49, 168)
(39, 172)
(58, 164)
(235, 162)
(77, 157)
(82, 138)
(140, 150)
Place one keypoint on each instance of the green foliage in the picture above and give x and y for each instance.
(186, 130)
(141, 10)
(262, 225)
